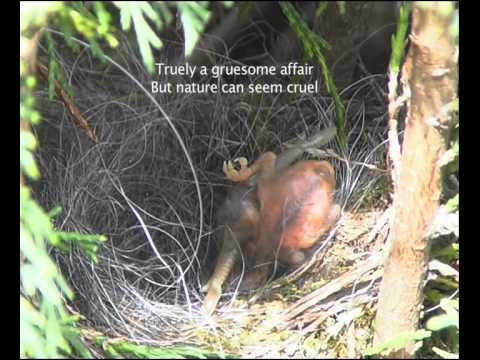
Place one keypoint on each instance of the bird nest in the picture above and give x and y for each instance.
(136, 185)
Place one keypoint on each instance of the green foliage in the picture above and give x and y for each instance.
(75, 17)
(433, 296)
(449, 318)
(46, 328)
(445, 354)
(314, 46)
(35, 227)
(448, 323)
(448, 253)
(27, 103)
(194, 16)
(146, 37)
(97, 26)
(34, 14)
(398, 342)
(88, 243)
(444, 325)
(27, 162)
(452, 204)
(94, 27)
(399, 39)
(322, 6)
(228, 4)
(54, 72)
(48, 333)
(120, 349)
(342, 7)
(104, 21)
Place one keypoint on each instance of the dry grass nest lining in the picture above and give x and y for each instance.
(135, 186)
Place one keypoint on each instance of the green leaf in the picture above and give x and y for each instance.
(88, 243)
(342, 7)
(450, 318)
(444, 354)
(399, 342)
(314, 46)
(446, 283)
(54, 212)
(29, 314)
(30, 82)
(28, 165)
(32, 342)
(440, 322)
(434, 296)
(452, 204)
(163, 11)
(45, 326)
(452, 303)
(27, 140)
(322, 6)
(74, 339)
(194, 17)
(35, 117)
(103, 16)
(146, 37)
(125, 17)
(97, 50)
(28, 278)
(54, 334)
(451, 309)
(52, 66)
(448, 253)
(34, 13)
(399, 39)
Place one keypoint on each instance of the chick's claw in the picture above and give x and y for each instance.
(242, 161)
(229, 170)
(233, 174)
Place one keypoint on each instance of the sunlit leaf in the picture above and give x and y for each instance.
(194, 16)
(146, 37)
(440, 322)
(452, 204)
(27, 164)
(399, 342)
(444, 354)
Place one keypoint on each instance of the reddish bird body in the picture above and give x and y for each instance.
(275, 209)
(296, 210)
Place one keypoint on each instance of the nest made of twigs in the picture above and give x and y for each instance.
(136, 186)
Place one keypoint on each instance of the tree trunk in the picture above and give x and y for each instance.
(431, 72)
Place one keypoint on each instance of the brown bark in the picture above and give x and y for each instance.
(432, 74)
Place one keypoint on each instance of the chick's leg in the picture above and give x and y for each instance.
(214, 286)
(265, 163)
